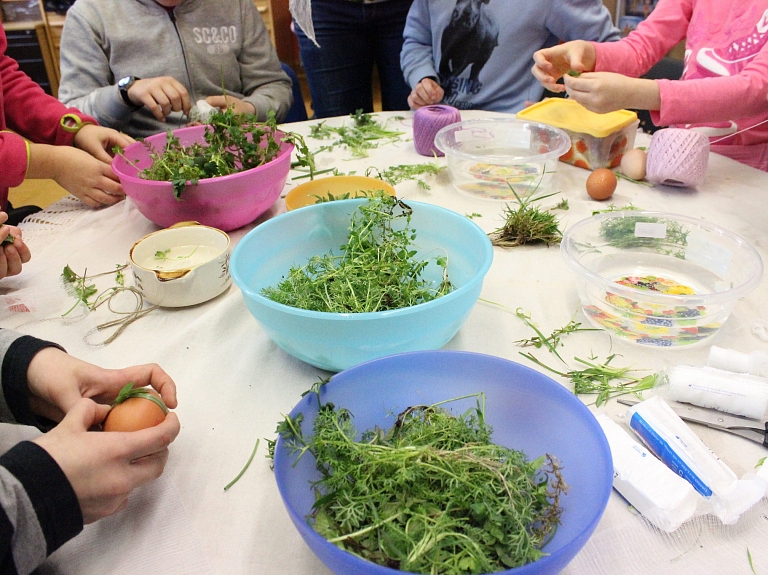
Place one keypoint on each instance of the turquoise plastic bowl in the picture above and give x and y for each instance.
(528, 411)
(336, 341)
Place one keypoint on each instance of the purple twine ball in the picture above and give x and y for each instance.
(427, 121)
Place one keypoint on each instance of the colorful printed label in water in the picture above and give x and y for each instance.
(650, 230)
(664, 451)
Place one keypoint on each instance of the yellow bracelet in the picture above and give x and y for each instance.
(72, 123)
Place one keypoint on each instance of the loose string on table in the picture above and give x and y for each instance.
(427, 122)
(128, 317)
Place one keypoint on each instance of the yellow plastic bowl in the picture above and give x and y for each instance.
(350, 187)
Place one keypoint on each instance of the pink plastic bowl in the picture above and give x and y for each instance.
(226, 202)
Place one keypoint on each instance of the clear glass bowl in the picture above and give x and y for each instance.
(657, 278)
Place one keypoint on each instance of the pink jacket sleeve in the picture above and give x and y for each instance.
(694, 99)
(26, 110)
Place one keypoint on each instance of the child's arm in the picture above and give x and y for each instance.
(604, 92)
(78, 172)
(416, 58)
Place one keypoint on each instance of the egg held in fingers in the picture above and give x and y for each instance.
(135, 409)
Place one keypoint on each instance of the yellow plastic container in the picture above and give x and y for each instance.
(597, 140)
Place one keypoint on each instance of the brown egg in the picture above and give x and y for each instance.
(633, 163)
(133, 414)
(601, 184)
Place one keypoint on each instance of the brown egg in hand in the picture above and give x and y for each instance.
(135, 409)
(601, 184)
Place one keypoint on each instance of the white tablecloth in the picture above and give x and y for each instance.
(234, 383)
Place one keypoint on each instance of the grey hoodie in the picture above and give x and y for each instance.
(204, 44)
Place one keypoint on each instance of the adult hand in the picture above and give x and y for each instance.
(57, 381)
(161, 95)
(239, 106)
(604, 92)
(104, 467)
(426, 93)
(12, 255)
(99, 141)
(551, 64)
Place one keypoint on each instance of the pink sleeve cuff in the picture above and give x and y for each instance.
(14, 151)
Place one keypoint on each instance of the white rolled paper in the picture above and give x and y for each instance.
(736, 393)
(663, 497)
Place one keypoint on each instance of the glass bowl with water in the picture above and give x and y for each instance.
(497, 158)
(657, 278)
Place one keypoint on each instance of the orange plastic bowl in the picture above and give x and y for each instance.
(340, 187)
(225, 202)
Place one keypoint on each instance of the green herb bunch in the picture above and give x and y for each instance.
(620, 233)
(376, 271)
(527, 224)
(430, 495)
(364, 133)
(233, 143)
(393, 175)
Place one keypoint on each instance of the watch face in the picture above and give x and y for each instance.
(123, 82)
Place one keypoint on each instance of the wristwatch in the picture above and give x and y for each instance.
(123, 85)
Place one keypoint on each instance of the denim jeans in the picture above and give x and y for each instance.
(353, 37)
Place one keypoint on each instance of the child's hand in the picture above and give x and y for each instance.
(426, 93)
(604, 92)
(99, 141)
(76, 171)
(161, 95)
(224, 102)
(12, 255)
(84, 176)
(551, 64)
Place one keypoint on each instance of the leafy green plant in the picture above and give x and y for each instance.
(552, 341)
(364, 133)
(432, 494)
(376, 270)
(620, 233)
(347, 196)
(527, 224)
(402, 172)
(233, 143)
(128, 391)
(605, 380)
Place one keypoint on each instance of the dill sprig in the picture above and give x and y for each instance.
(364, 133)
(552, 341)
(233, 143)
(375, 271)
(620, 233)
(605, 380)
(432, 494)
(527, 224)
(402, 172)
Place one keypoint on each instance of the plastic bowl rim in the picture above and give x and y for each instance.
(363, 316)
(732, 294)
(506, 160)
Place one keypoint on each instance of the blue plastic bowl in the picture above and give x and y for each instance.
(336, 341)
(527, 410)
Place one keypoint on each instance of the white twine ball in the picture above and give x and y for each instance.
(677, 157)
